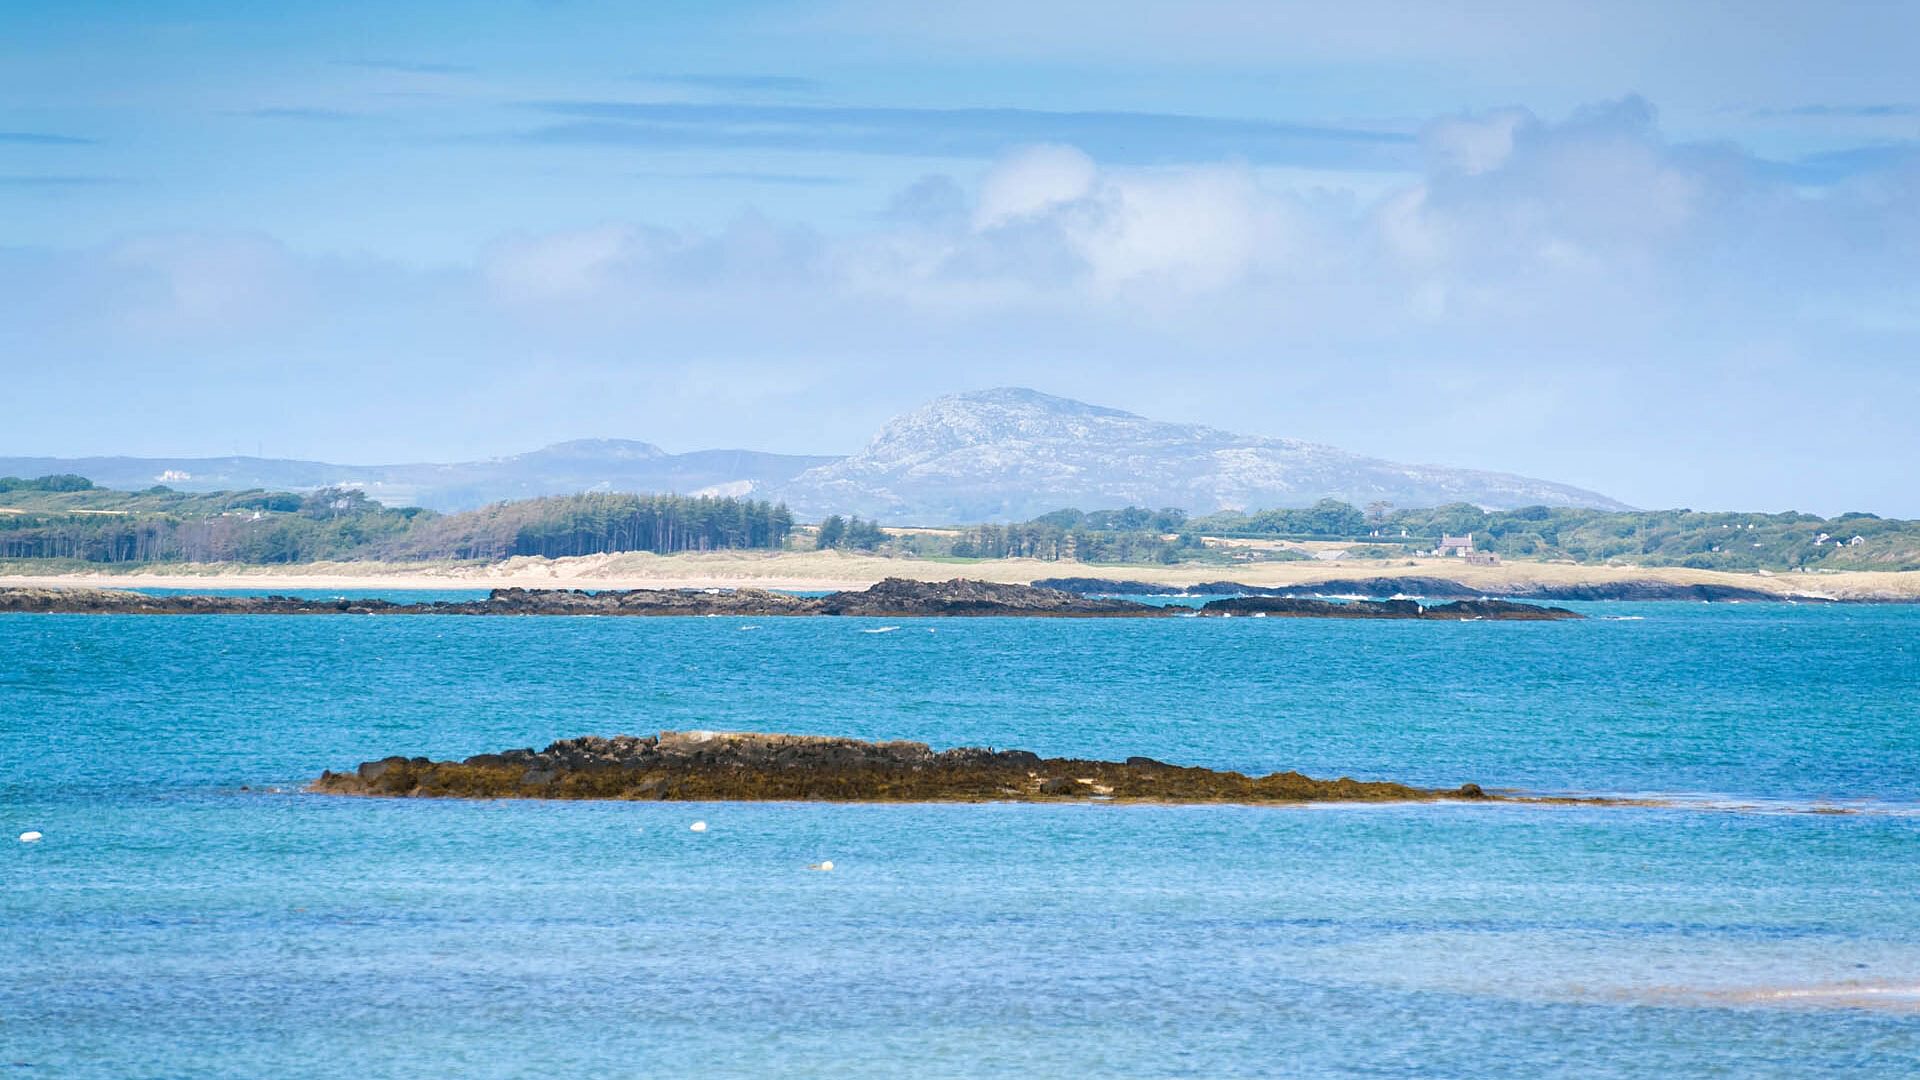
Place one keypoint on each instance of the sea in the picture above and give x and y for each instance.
(191, 912)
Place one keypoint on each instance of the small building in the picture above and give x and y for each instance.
(1455, 545)
(1482, 558)
(1856, 541)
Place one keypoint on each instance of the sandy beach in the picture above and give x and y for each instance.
(838, 570)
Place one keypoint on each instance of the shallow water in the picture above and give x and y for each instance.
(173, 924)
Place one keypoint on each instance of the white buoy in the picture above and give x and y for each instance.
(698, 826)
(823, 865)
(29, 837)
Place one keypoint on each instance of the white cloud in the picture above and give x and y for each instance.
(1474, 144)
(1033, 181)
(190, 283)
(574, 263)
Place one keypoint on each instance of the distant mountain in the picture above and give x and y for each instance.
(991, 455)
(1012, 454)
(565, 468)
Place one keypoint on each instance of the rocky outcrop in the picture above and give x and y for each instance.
(700, 765)
(1091, 586)
(126, 602)
(892, 598)
(897, 597)
(1298, 608)
(756, 602)
(1432, 588)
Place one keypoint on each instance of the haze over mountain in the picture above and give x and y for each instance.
(990, 455)
(560, 469)
(1012, 454)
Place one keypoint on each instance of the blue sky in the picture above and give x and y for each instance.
(1671, 252)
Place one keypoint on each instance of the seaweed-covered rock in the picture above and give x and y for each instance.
(708, 765)
(896, 597)
(1298, 607)
(892, 598)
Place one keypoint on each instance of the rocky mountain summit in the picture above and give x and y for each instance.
(1013, 454)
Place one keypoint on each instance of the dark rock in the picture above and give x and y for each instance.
(1496, 609)
(900, 597)
(374, 770)
(1432, 588)
(892, 598)
(1294, 607)
(702, 765)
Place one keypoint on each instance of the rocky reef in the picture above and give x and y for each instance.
(1431, 588)
(1297, 608)
(740, 766)
(892, 598)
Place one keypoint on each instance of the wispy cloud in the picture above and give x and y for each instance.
(57, 181)
(43, 138)
(1837, 165)
(778, 179)
(1847, 112)
(1121, 137)
(302, 113)
(409, 67)
(775, 84)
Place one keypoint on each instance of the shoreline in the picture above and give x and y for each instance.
(838, 571)
(892, 598)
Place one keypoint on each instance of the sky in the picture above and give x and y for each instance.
(1670, 252)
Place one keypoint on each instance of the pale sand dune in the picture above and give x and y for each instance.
(837, 570)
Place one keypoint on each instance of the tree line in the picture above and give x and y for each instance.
(600, 524)
(66, 517)
(63, 521)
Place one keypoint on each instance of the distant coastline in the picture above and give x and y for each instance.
(838, 570)
(891, 598)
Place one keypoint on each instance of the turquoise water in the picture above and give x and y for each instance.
(398, 596)
(173, 924)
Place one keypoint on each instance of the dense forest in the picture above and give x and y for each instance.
(597, 524)
(68, 518)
